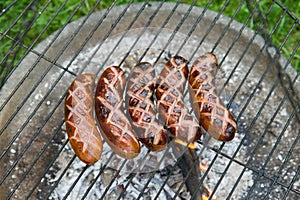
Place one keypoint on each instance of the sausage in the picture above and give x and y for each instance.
(139, 99)
(82, 131)
(172, 110)
(215, 118)
(116, 128)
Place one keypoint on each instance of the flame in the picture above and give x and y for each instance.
(190, 145)
(207, 194)
(204, 197)
(203, 167)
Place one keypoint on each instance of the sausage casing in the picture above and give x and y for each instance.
(116, 128)
(172, 110)
(139, 99)
(80, 125)
(215, 118)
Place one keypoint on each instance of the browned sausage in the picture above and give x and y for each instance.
(170, 103)
(212, 114)
(116, 128)
(81, 128)
(139, 99)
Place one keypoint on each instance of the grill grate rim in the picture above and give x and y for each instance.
(246, 164)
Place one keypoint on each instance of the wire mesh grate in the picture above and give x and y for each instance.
(258, 84)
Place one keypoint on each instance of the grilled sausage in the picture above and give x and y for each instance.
(116, 128)
(170, 103)
(139, 99)
(212, 114)
(81, 128)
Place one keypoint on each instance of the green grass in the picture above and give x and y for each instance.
(12, 54)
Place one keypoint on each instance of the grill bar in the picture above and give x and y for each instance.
(22, 154)
(228, 78)
(194, 27)
(176, 29)
(29, 49)
(75, 182)
(116, 23)
(288, 12)
(61, 176)
(132, 175)
(96, 178)
(292, 183)
(157, 59)
(65, 171)
(242, 111)
(147, 24)
(48, 167)
(249, 167)
(114, 178)
(144, 29)
(232, 45)
(161, 28)
(113, 26)
(286, 158)
(165, 22)
(33, 113)
(169, 40)
(263, 134)
(233, 96)
(46, 58)
(263, 168)
(261, 173)
(35, 86)
(210, 28)
(61, 99)
(248, 101)
(35, 110)
(3, 11)
(28, 27)
(78, 51)
(190, 173)
(227, 28)
(19, 37)
(206, 34)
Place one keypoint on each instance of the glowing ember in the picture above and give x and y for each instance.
(190, 145)
(207, 194)
(203, 167)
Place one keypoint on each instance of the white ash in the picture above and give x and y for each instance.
(152, 163)
(91, 64)
(115, 170)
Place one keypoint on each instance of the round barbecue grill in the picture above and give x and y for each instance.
(255, 81)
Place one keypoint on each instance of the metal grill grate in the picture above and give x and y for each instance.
(256, 82)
